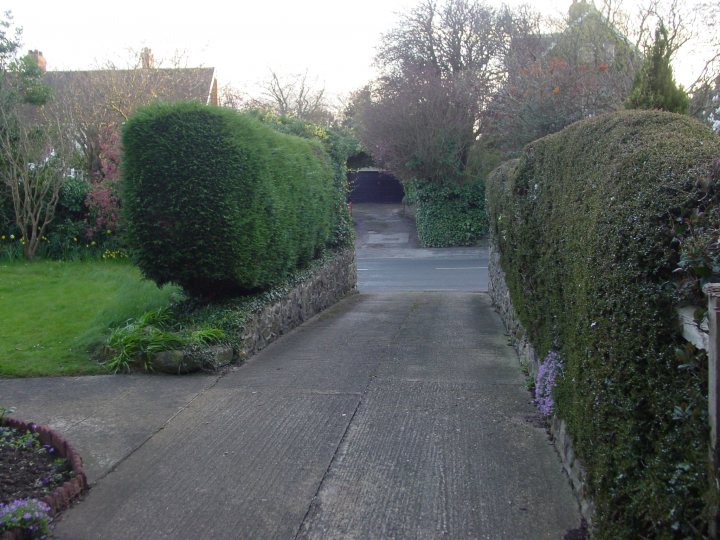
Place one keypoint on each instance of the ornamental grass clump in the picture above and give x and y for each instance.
(136, 341)
(29, 515)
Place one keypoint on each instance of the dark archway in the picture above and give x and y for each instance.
(375, 186)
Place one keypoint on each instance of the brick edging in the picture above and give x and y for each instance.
(64, 495)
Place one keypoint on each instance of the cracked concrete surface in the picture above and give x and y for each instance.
(388, 416)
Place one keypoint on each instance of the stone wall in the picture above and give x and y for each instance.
(500, 296)
(327, 286)
(323, 288)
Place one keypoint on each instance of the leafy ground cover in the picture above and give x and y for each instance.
(56, 314)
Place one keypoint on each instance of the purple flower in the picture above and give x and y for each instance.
(546, 381)
(28, 514)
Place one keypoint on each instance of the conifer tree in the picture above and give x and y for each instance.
(654, 86)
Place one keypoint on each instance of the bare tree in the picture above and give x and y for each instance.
(427, 138)
(709, 75)
(296, 95)
(638, 20)
(439, 66)
(351, 107)
(585, 68)
(232, 97)
(31, 151)
(33, 173)
(93, 101)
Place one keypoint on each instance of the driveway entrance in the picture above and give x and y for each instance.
(389, 258)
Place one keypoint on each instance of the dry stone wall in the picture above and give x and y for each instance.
(323, 288)
(327, 286)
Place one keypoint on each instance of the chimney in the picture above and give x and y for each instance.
(40, 59)
(147, 58)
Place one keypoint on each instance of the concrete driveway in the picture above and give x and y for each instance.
(393, 415)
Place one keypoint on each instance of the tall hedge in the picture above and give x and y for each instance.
(339, 143)
(219, 203)
(599, 227)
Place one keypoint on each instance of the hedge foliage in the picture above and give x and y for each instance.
(220, 203)
(604, 229)
(340, 144)
(449, 214)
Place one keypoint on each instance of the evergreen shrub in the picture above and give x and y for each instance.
(449, 214)
(340, 144)
(598, 227)
(654, 86)
(219, 203)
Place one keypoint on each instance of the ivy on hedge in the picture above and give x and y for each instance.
(220, 203)
(449, 214)
(592, 224)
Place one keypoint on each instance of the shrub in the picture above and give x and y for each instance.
(219, 203)
(103, 197)
(340, 144)
(654, 86)
(449, 214)
(71, 202)
(595, 226)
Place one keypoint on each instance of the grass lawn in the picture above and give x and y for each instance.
(54, 313)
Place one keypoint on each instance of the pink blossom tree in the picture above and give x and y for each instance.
(103, 198)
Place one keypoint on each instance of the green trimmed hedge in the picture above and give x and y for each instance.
(598, 228)
(449, 214)
(340, 144)
(219, 203)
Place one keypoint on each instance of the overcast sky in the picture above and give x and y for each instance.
(334, 40)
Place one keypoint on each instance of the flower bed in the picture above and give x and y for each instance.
(27, 518)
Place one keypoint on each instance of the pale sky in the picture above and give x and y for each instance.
(334, 40)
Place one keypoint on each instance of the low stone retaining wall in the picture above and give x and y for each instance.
(323, 288)
(500, 296)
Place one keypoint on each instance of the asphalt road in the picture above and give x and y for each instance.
(389, 258)
(404, 275)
